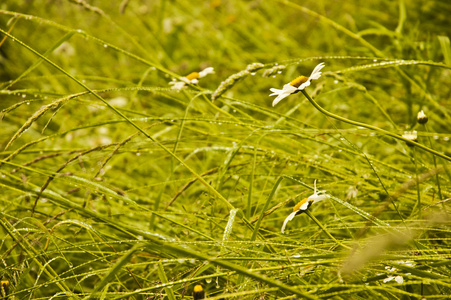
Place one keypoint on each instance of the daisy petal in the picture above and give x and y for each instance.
(177, 85)
(280, 97)
(289, 218)
(275, 91)
(316, 71)
(206, 71)
(304, 85)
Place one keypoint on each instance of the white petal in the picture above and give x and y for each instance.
(206, 71)
(305, 205)
(399, 279)
(286, 91)
(316, 71)
(304, 85)
(289, 88)
(317, 198)
(275, 91)
(289, 218)
(177, 85)
(280, 97)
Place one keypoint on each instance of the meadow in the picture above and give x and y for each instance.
(141, 155)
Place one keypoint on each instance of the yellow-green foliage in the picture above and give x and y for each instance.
(115, 185)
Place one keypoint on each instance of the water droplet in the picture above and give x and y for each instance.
(28, 103)
(138, 154)
(105, 45)
(24, 96)
(375, 60)
(336, 81)
(253, 73)
(446, 138)
(279, 72)
(208, 280)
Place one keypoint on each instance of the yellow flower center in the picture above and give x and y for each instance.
(298, 81)
(198, 288)
(298, 206)
(198, 292)
(192, 76)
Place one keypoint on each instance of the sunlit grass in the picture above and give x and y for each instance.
(115, 186)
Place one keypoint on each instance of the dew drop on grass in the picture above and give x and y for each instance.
(435, 137)
(446, 138)
(24, 96)
(279, 72)
(28, 103)
(105, 45)
(208, 280)
(138, 154)
(253, 73)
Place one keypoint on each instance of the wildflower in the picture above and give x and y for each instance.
(296, 85)
(411, 136)
(198, 292)
(399, 279)
(192, 78)
(304, 204)
(422, 118)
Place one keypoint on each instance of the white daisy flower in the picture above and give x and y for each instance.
(399, 279)
(304, 204)
(191, 78)
(410, 135)
(422, 118)
(296, 85)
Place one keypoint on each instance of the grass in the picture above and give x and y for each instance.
(115, 186)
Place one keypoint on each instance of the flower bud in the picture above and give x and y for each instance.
(410, 135)
(422, 118)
